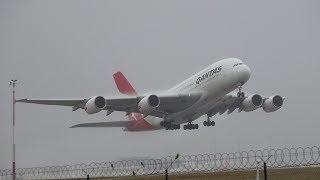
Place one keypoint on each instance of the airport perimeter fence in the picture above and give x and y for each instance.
(294, 157)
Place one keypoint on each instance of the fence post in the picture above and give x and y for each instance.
(265, 170)
(166, 174)
(258, 168)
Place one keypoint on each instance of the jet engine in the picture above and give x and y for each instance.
(252, 102)
(95, 104)
(273, 103)
(148, 104)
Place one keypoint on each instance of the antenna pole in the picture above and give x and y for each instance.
(13, 84)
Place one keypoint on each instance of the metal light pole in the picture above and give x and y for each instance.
(13, 84)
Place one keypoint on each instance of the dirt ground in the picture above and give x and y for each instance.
(311, 173)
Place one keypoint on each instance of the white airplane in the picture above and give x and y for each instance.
(208, 92)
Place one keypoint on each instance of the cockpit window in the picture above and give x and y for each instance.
(237, 64)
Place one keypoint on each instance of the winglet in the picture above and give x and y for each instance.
(123, 84)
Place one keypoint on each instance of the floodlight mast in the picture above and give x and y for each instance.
(13, 84)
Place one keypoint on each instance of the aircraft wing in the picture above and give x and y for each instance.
(58, 102)
(104, 124)
(75, 103)
(229, 103)
(169, 103)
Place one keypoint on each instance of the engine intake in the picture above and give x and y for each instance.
(154, 101)
(252, 103)
(273, 103)
(148, 104)
(95, 104)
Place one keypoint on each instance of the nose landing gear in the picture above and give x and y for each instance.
(240, 93)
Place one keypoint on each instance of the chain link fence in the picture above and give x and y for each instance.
(294, 157)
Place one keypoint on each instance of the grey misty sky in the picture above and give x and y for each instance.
(67, 49)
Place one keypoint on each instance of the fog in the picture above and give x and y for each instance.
(70, 49)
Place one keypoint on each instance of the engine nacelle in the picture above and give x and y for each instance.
(95, 104)
(148, 104)
(252, 102)
(273, 103)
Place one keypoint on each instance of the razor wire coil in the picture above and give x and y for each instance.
(244, 160)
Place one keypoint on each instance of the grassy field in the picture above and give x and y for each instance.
(311, 173)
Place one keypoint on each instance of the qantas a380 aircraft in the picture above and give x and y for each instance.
(208, 92)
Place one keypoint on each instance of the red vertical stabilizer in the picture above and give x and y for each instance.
(138, 122)
(123, 84)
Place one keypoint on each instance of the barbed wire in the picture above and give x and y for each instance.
(244, 160)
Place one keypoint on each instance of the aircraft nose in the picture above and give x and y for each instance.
(245, 72)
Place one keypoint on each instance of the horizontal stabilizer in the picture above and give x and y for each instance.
(104, 124)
